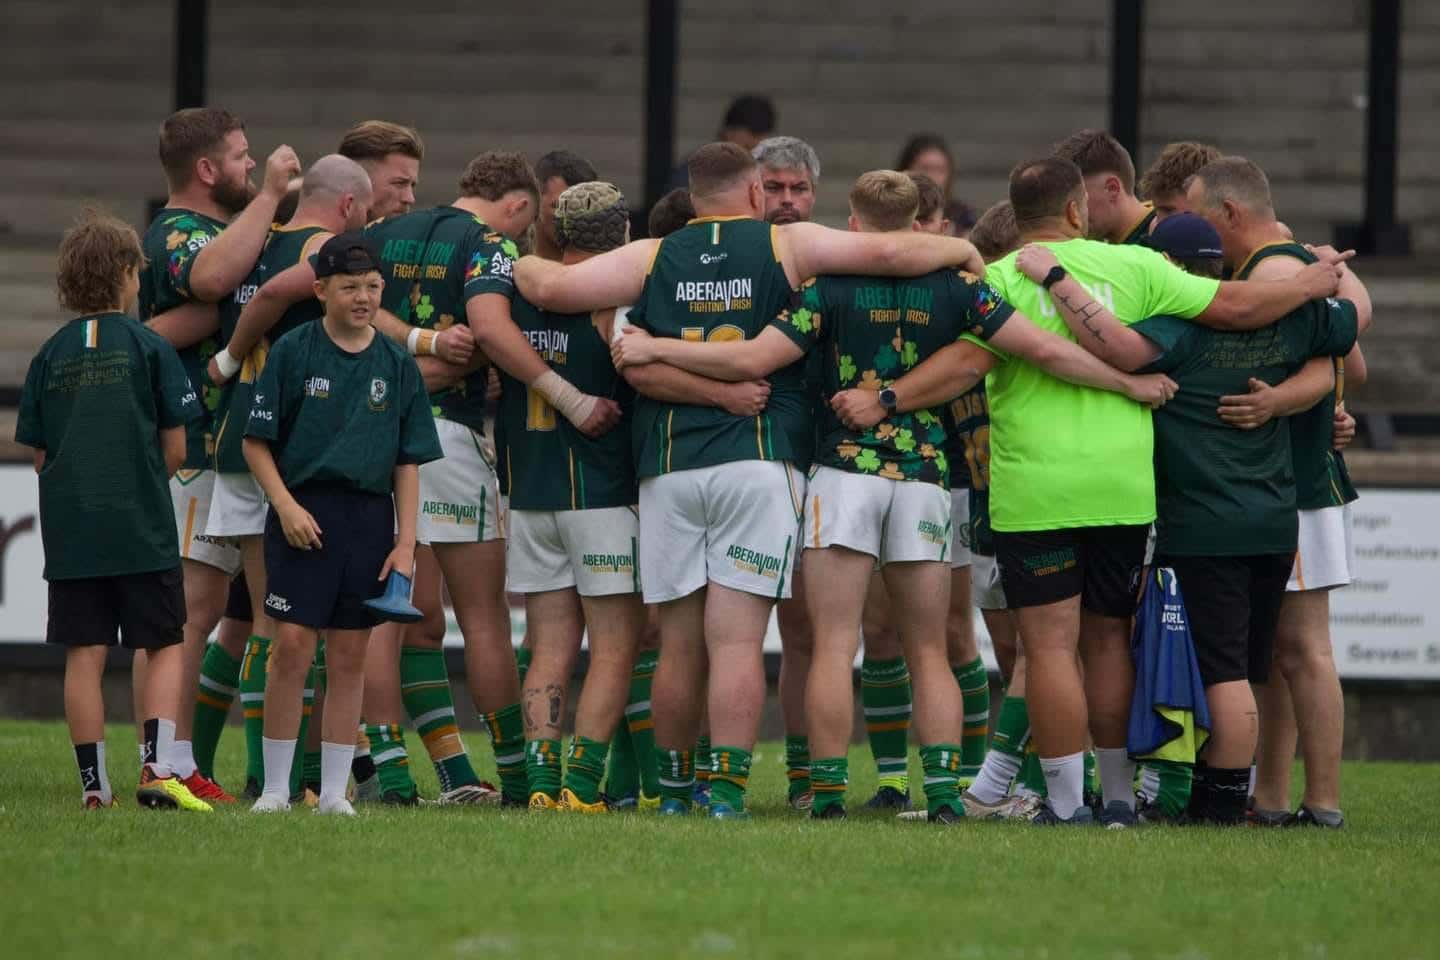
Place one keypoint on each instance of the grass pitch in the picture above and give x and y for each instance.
(442, 883)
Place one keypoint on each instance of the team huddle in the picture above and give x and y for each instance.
(660, 442)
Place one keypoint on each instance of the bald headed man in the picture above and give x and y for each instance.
(276, 297)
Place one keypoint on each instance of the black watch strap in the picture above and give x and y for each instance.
(1056, 274)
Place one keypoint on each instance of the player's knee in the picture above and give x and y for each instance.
(293, 657)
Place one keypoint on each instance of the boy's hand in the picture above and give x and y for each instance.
(301, 530)
(401, 560)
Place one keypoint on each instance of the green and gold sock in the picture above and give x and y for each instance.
(584, 766)
(622, 773)
(253, 670)
(941, 762)
(828, 778)
(522, 663)
(729, 776)
(974, 683)
(677, 775)
(885, 695)
(507, 735)
(542, 767)
(1032, 775)
(1092, 774)
(392, 763)
(219, 682)
(640, 723)
(797, 765)
(425, 690)
(704, 760)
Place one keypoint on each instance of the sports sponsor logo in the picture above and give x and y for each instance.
(277, 603)
(716, 296)
(463, 514)
(1051, 561)
(608, 562)
(753, 561)
(317, 387)
(709, 258)
(379, 393)
(931, 532)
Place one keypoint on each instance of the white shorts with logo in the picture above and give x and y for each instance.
(190, 493)
(237, 506)
(735, 524)
(959, 528)
(986, 590)
(1325, 556)
(459, 493)
(894, 521)
(590, 550)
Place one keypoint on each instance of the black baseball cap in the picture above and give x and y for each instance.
(1186, 235)
(345, 253)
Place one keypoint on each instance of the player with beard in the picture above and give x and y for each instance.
(195, 257)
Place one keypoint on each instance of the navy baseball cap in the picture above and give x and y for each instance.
(345, 253)
(1186, 235)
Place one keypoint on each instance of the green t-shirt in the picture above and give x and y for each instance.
(1141, 230)
(434, 262)
(283, 248)
(1068, 456)
(545, 462)
(1321, 478)
(96, 397)
(871, 331)
(339, 419)
(719, 278)
(170, 244)
(1223, 491)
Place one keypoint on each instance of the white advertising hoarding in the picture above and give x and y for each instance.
(1382, 626)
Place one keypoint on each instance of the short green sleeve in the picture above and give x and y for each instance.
(176, 402)
(1338, 327)
(1170, 291)
(419, 441)
(491, 268)
(29, 425)
(1176, 339)
(803, 319)
(985, 311)
(185, 252)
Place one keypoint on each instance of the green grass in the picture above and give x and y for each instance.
(441, 883)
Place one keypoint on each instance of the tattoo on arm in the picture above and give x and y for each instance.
(1085, 312)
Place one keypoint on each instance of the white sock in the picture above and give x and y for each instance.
(278, 755)
(993, 781)
(1117, 775)
(1149, 783)
(335, 769)
(164, 747)
(1065, 783)
(182, 759)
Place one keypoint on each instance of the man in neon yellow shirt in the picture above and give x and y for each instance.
(1073, 488)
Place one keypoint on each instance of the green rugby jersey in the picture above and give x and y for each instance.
(434, 261)
(1321, 478)
(96, 396)
(967, 420)
(283, 248)
(1141, 230)
(1222, 491)
(170, 244)
(339, 419)
(718, 278)
(874, 330)
(545, 462)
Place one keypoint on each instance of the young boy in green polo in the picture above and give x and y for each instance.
(338, 428)
(104, 407)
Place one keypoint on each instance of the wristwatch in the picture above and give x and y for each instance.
(888, 399)
(1056, 274)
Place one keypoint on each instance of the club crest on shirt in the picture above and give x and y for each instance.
(379, 394)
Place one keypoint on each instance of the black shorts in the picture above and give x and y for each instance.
(329, 586)
(1100, 565)
(144, 611)
(1233, 605)
(237, 605)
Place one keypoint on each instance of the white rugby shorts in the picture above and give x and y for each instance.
(460, 493)
(590, 550)
(191, 492)
(894, 521)
(1325, 557)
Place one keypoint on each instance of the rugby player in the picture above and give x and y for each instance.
(556, 172)
(189, 268)
(1164, 183)
(448, 269)
(1226, 497)
(1069, 546)
(670, 213)
(1116, 214)
(277, 297)
(391, 154)
(720, 497)
(1233, 194)
(850, 524)
(573, 527)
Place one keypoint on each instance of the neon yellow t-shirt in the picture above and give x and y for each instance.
(1067, 456)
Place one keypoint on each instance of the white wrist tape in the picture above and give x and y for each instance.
(421, 343)
(227, 364)
(564, 397)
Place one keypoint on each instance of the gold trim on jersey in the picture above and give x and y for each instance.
(727, 219)
(1255, 254)
(775, 247)
(654, 255)
(1149, 211)
(669, 439)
